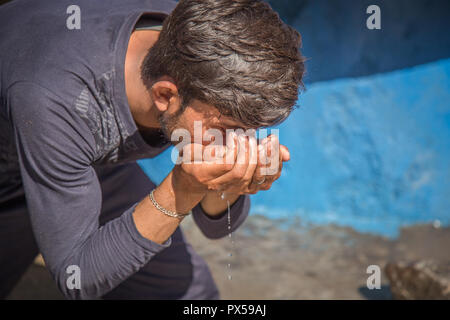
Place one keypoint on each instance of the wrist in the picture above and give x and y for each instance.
(177, 184)
(153, 224)
(182, 184)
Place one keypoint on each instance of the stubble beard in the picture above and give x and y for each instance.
(169, 123)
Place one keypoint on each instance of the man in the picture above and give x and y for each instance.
(80, 105)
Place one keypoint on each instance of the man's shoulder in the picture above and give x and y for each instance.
(32, 100)
(43, 119)
(50, 40)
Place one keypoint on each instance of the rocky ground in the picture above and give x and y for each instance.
(269, 262)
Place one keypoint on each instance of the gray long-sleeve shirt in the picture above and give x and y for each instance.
(64, 111)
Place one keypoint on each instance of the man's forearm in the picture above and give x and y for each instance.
(155, 225)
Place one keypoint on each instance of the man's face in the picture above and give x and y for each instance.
(208, 115)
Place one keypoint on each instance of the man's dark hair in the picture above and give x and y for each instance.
(237, 55)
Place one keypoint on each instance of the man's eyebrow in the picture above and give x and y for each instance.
(230, 125)
(233, 127)
(226, 122)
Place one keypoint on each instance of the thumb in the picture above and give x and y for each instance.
(285, 155)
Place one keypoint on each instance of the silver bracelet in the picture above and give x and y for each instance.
(165, 211)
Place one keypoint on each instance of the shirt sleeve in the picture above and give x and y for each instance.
(55, 151)
(217, 227)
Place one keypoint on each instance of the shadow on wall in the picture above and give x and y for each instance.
(384, 293)
(338, 44)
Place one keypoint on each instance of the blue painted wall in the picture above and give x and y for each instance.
(372, 153)
(338, 44)
(370, 142)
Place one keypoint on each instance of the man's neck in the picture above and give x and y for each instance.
(153, 136)
(139, 99)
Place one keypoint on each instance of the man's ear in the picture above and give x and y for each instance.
(164, 94)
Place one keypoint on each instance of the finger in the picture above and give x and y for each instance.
(226, 155)
(208, 169)
(265, 185)
(264, 182)
(262, 159)
(232, 145)
(238, 170)
(260, 174)
(286, 155)
(192, 152)
(272, 148)
(253, 160)
(270, 179)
